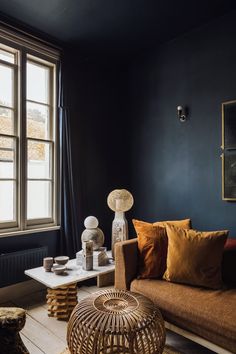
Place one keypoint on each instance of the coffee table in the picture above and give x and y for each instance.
(62, 289)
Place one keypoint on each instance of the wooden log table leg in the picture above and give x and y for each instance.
(61, 301)
(12, 320)
(105, 279)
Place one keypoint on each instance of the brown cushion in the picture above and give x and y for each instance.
(152, 245)
(195, 257)
(229, 262)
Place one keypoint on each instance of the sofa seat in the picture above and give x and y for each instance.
(210, 314)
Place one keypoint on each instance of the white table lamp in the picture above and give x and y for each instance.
(120, 201)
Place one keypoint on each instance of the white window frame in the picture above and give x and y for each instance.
(27, 49)
(14, 66)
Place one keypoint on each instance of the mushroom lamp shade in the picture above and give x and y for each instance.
(120, 201)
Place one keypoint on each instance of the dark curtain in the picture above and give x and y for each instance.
(69, 237)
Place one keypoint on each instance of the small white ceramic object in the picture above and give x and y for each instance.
(58, 269)
(48, 263)
(62, 260)
(91, 222)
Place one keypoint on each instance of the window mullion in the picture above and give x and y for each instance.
(40, 179)
(5, 63)
(8, 136)
(40, 140)
(40, 103)
(7, 107)
(23, 143)
(16, 138)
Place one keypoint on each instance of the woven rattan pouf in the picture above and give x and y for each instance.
(114, 321)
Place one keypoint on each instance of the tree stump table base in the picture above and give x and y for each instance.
(12, 320)
(61, 301)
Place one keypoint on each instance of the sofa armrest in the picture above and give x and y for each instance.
(126, 263)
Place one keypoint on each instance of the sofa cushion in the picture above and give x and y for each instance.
(208, 313)
(152, 245)
(229, 262)
(183, 224)
(195, 257)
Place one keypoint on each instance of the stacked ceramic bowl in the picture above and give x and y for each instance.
(60, 264)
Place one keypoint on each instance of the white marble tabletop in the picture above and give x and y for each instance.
(73, 274)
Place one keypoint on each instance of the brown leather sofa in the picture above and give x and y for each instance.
(203, 315)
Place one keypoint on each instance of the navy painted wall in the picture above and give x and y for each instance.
(31, 240)
(22, 242)
(176, 168)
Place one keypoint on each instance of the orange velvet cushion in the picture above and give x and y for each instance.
(183, 224)
(152, 245)
(195, 257)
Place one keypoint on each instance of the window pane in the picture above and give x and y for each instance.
(7, 201)
(6, 56)
(39, 200)
(37, 121)
(39, 159)
(6, 86)
(7, 158)
(37, 83)
(6, 121)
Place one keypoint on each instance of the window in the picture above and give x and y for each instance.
(28, 139)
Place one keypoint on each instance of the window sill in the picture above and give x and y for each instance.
(29, 231)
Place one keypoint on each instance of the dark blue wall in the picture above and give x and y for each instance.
(176, 168)
(21, 242)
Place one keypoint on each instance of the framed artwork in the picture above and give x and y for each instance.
(229, 175)
(229, 150)
(229, 125)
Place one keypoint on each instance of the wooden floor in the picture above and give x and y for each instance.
(45, 335)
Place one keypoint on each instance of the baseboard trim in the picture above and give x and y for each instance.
(12, 292)
(205, 343)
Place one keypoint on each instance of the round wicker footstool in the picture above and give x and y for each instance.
(12, 320)
(114, 321)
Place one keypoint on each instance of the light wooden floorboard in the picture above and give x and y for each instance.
(58, 328)
(46, 335)
(42, 337)
(82, 293)
(30, 346)
(91, 289)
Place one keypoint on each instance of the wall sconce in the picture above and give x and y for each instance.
(181, 114)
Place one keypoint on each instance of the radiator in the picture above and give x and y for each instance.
(13, 264)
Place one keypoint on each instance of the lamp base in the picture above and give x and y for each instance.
(119, 230)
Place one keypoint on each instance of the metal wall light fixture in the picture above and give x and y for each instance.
(182, 114)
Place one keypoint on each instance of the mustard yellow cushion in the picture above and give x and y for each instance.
(195, 257)
(152, 245)
(183, 224)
